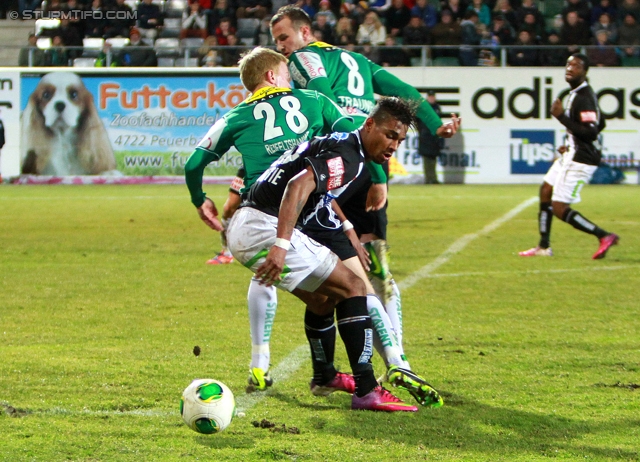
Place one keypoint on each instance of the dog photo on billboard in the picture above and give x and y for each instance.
(62, 133)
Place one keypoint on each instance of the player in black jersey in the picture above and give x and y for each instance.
(262, 235)
(580, 156)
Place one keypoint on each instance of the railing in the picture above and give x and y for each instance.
(418, 55)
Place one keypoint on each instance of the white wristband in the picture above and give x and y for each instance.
(346, 225)
(282, 243)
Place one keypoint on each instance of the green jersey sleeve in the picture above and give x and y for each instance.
(216, 142)
(308, 72)
(387, 84)
(335, 120)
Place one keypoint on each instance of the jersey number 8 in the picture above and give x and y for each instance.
(296, 121)
(355, 82)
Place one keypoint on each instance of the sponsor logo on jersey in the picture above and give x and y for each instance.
(297, 76)
(532, 151)
(312, 64)
(588, 116)
(336, 173)
(339, 136)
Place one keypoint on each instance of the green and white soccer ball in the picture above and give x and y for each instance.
(207, 406)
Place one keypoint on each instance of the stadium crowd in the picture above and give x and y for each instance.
(219, 30)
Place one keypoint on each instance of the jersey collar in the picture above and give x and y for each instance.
(266, 91)
(579, 87)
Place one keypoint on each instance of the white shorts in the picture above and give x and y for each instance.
(567, 178)
(250, 235)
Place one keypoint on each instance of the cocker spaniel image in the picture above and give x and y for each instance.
(62, 133)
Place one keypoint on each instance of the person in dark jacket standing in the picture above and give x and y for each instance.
(580, 156)
(430, 146)
(136, 53)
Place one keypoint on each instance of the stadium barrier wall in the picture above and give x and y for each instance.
(154, 118)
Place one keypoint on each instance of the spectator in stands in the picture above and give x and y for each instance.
(392, 56)
(558, 23)
(70, 38)
(528, 6)
(106, 58)
(343, 32)
(629, 6)
(456, 7)
(604, 23)
(425, 11)
(194, 21)
(253, 9)
(538, 31)
(325, 9)
(37, 55)
(629, 35)
(149, 19)
(52, 5)
(469, 37)
(446, 32)
(554, 56)
(210, 43)
(487, 54)
(308, 6)
(604, 6)
(322, 27)
(503, 7)
(57, 55)
(232, 52)
(136, 54)
(502, 31)
(95, 24)
(525, 53)
(397, 17)
(602, 54)
(76, 20)
(26, 5)
(415, 33)
(575, 32)
(579, 6)
(123, 20)
(263, 36)
(371, 31)
(221, 10)
(224, 30)
(482, 10)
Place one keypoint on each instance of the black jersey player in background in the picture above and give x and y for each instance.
(580, 156)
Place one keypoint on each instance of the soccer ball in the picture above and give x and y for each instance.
(207, 406)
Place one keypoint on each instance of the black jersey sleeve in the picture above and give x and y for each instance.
(586, 121)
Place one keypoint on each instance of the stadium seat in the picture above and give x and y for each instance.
(191, 42)
(167, 47)
(84, 62)
(183, 62)
(247, 27)
(166, 62)
(175, 8)
(44, 43)
(44, 26)
(171, 28)
(247, 41)
(92, 46)
(117, 42)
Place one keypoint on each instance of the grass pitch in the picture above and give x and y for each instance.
(105, 293)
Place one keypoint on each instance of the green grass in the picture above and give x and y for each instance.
(104, 293)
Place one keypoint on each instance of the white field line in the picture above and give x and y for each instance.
(545, 271)
(297, 357)
(460, 244)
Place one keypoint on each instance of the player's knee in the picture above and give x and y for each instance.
(559, 209)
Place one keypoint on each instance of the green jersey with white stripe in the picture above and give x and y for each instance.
(270, 122)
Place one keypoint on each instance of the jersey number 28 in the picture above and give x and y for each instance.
(296, 121)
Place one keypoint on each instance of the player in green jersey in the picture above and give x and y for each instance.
(274, 119)
(352, 81)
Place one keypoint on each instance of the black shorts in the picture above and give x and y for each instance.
(353, 203)
(336, 241)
